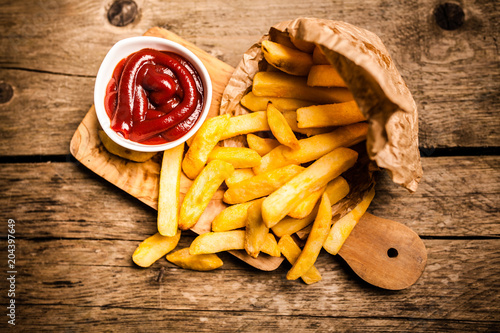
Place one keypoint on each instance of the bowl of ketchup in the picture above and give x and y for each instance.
(151, 94)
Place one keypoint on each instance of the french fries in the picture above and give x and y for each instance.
(259, 103)
(338, 114)
(168, 192)
(260, 185)
(289, 60)
(239, 157)
(306, 206)
(256, 231)
(343, 227)
(324, 76)
(278, 204)
(201, 191)
(199, 262)
(290, 225)
(153, 248)
(291, 251)
(239, 175)
(261, 145)
(279, 84)
(280, 128)
(247, 123)
(314, 242)
(204, 141)
(231, 218)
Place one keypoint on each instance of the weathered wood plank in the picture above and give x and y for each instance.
(460, 283)
(85, 319)
(430, 59)
(459, 196)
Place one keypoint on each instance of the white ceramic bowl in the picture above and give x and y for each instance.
(120, 51)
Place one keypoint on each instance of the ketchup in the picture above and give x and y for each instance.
(154, 97)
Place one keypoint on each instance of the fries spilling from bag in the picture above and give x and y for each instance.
(289, 151)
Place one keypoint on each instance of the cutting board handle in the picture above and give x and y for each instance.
(385, 253)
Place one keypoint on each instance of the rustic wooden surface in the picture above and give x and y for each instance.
(76, 232)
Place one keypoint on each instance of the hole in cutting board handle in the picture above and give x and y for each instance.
(392, 253)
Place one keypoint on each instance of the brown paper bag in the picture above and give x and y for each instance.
(379, 90)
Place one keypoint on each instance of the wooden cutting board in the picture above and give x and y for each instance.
(400, 255)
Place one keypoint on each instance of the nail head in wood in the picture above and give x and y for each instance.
(6, 92)
(122, 12)
(449, 16)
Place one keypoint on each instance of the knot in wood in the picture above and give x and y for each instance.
(449, 16)
(6, 92)
(122, 12)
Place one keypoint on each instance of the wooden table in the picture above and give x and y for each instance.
(75, 232)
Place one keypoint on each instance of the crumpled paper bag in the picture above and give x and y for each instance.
(379, 90)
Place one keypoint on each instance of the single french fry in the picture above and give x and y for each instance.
(205, 140)
(343, 227)
(319, 57)
(256, 230)
(314, 242)
(199, 262)
(116, 149)
(324, 76)
(337, 189)
(289, 225)
(280, 128)
(291, 119)
(261, 145)
(288, 60)
(260, 185)
(291, 251)
(312, 148)
(259, 103)
(306, 206)
(247, 123)
(232, 217)
(239, 157)
(303, 45)
(279, 203)
(168, 192)
(278, 84)
(338, 114)
(201, 192)
(239, 175)
(214, 242)
(153, 248)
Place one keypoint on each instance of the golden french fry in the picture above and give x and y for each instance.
(314, 242)
(280, 128)
(260, 185)
(288, 60)
(289, 225)
(303, 45)
(343, 227)
(281, 38)
(115, 149)
(247, 123)
(337, 189)
(232, 217)
(153, 248)
(319, 57)
(338, 114)
(291, 119)
(205, 140)
(312, 148)
(255, 231)
(291, 252)
(239, 157)
(324, 76)
(214, 242)
(259, 103)
(279, 203)
(278, 84)
(201, 192)
(306, 206)
(239, 175)
(270, 246)
(199, 262)
(168, 192)
(261, 145)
